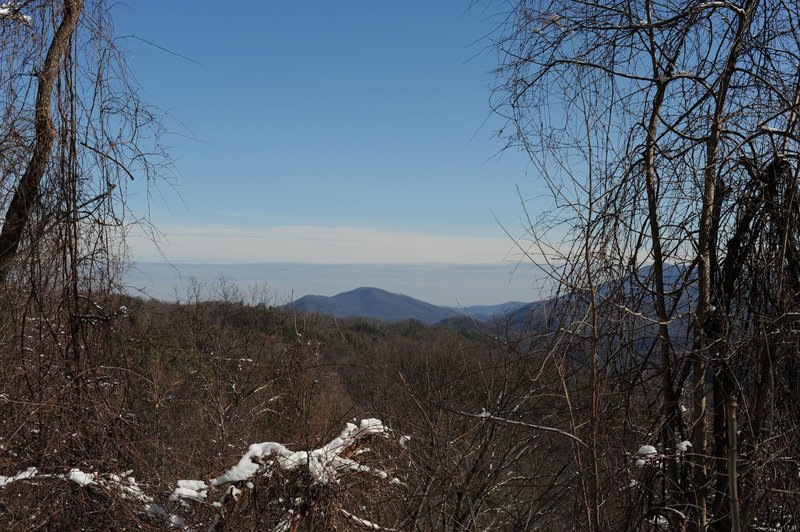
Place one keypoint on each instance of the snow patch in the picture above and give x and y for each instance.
(22, 475)
(323, 464)
(362, 522)
(189, 489)
(658, 520)
(646, 450)
(10, 11)
(79, 477)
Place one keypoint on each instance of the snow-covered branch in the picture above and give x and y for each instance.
(323, 466)
(10, 11)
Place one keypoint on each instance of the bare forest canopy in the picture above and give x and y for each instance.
(656, 390)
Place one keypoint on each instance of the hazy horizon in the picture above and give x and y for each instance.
(319, 165)
(442, 284)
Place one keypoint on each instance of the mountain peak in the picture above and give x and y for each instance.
(366, 290)
(371, 302)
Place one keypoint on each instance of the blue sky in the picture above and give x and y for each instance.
(325, 132)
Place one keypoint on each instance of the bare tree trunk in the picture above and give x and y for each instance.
(708, 332)
(733, 454)
(26, 194)
(594, 382)
(665, 350)
(671, 412)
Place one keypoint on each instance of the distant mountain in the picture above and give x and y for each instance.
(489, 312)
(387, 306)
(374, 303)
(545, 315)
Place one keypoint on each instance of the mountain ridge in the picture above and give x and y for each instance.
(376, 303)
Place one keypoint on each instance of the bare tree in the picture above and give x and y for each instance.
(669, 131)
(73, 135)
(44, 133)
(73, 131)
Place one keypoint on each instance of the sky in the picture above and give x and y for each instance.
(325, 132)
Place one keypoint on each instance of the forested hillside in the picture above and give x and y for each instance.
(173, 395)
